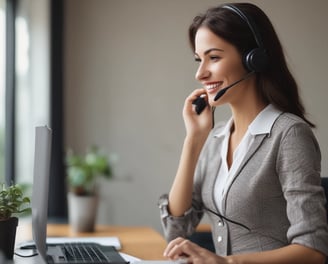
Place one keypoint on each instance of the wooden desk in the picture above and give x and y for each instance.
(138, 241)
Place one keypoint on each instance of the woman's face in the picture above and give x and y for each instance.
(220, 65)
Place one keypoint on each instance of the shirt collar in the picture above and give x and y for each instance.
(264, 121)
(262, 124)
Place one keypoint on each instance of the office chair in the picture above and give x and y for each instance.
(204, 239)
(324, 183)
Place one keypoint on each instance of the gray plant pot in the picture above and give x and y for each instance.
(82, 212)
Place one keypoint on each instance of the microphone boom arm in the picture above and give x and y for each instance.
(222, 91)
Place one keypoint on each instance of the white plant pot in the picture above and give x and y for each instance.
(82, 212)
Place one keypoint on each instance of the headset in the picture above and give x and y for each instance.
(256, 60)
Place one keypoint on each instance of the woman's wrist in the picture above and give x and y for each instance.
(196, 139)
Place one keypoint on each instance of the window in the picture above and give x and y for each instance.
(24, 84)
(2, 88)
(32, 81)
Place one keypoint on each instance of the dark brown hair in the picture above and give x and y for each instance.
(275, 85)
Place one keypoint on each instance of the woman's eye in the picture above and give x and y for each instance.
(211, 58)
(215, 58)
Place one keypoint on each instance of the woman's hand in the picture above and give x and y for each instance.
(181, 248)
(195, 124)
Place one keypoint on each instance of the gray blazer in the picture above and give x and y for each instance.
(276, 193)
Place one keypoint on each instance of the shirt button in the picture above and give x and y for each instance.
(219, 239)
(220, 223)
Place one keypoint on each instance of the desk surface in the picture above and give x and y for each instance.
(138, 241)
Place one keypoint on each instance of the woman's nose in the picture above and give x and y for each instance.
(202, 72)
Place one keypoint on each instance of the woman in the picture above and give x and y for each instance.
(258, 175)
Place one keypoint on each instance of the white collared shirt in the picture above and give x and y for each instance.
(262, 124)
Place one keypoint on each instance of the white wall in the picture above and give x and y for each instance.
(128, 69)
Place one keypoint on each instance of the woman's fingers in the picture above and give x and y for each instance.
(180, 247)
(190, 252)
(193, 96)
(171, 245)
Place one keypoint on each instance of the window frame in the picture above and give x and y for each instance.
(57, 209)
(10, 173)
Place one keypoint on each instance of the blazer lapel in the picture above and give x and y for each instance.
(253, 148)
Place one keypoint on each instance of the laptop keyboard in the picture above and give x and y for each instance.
(84, 253)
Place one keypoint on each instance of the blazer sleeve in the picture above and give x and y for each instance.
(298, 166)
(186, 224)
(182, 226)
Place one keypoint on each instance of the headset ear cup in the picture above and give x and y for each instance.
(256, 60)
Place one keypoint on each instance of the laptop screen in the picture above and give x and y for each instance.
(41, 187)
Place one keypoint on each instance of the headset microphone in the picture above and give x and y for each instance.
(222, 91)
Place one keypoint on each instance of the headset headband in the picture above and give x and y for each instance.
(249, 22)
(255, 60)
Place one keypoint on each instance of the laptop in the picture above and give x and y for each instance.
(61, 253)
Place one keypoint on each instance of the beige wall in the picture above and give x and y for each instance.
(128, 68)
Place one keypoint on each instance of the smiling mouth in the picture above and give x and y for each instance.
(213, 86)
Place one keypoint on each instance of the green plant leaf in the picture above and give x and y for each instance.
(13, 201)
(82, 171)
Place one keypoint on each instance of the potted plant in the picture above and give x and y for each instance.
(83, 173)
(12, 203)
